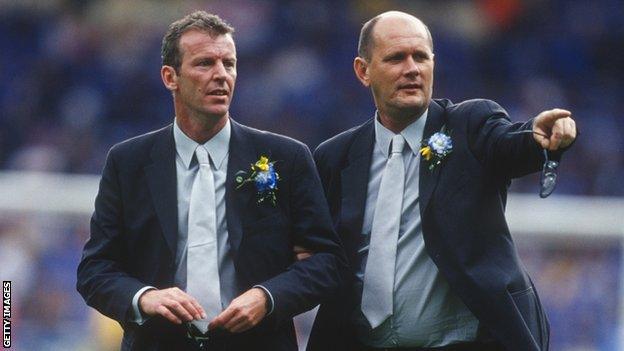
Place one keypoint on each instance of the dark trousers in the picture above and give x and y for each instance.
(467, 346)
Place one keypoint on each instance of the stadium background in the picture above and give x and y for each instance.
(79, 76)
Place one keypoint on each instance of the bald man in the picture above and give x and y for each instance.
(417, 194)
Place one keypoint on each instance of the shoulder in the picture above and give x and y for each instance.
(270, 142)
(478, 107)
(139, 147)
(472, 114)
(341, 143)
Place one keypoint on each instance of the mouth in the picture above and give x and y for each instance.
(218, 92)
(410, 86)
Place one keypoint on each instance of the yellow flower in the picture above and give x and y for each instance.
(426, 152)
(262, 164)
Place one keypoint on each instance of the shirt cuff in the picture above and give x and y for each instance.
(271, 301)
(138, 317)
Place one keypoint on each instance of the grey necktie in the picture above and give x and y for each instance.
(377, 299)
(202, 280)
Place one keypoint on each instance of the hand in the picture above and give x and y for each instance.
(554, 129)
(301, 253)
(243, 313)
(173, 304)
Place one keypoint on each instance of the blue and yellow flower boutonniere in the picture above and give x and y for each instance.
(265, 178)
(436, 148)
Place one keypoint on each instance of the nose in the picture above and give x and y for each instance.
(412, 69)
(219, 71)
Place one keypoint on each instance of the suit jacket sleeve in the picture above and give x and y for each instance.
(311, 281)
(491, 139)
(102, 280)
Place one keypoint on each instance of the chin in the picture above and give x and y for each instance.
(409, 100)
(216, 111)
(411, 105)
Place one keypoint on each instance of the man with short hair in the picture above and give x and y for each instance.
(417, 195)
(192, 249)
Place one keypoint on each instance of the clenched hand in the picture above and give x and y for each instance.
(554, 129)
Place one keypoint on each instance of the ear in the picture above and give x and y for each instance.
(169, 77)
(360, 66)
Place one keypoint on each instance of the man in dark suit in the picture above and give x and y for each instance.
(417, 195)
(189, 248)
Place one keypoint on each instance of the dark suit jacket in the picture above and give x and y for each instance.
(134, 236)
(462, 204)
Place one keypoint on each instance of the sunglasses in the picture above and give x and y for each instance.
(217, 335)
(548, 177)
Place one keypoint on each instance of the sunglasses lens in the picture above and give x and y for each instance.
(548, 180)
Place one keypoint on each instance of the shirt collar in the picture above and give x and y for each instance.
(413, 134)
(217, 147)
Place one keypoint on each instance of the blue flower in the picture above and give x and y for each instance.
(440, 143)
(265, 178)
(436, 148)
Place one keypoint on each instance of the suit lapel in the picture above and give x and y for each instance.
(429, 179)
(354, 184)
(241, 154)
(161, 179)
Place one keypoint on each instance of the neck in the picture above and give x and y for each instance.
(397, 121)
(201, 129)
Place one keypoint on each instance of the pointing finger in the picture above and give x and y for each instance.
(558, 113)
(547, 118)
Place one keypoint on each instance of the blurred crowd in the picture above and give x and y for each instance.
(79, 76)
(579, 282)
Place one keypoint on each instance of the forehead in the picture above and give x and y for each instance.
(197, 42)
(399, 32)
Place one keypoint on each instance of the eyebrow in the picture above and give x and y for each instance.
(404, 52)
(213, 58)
